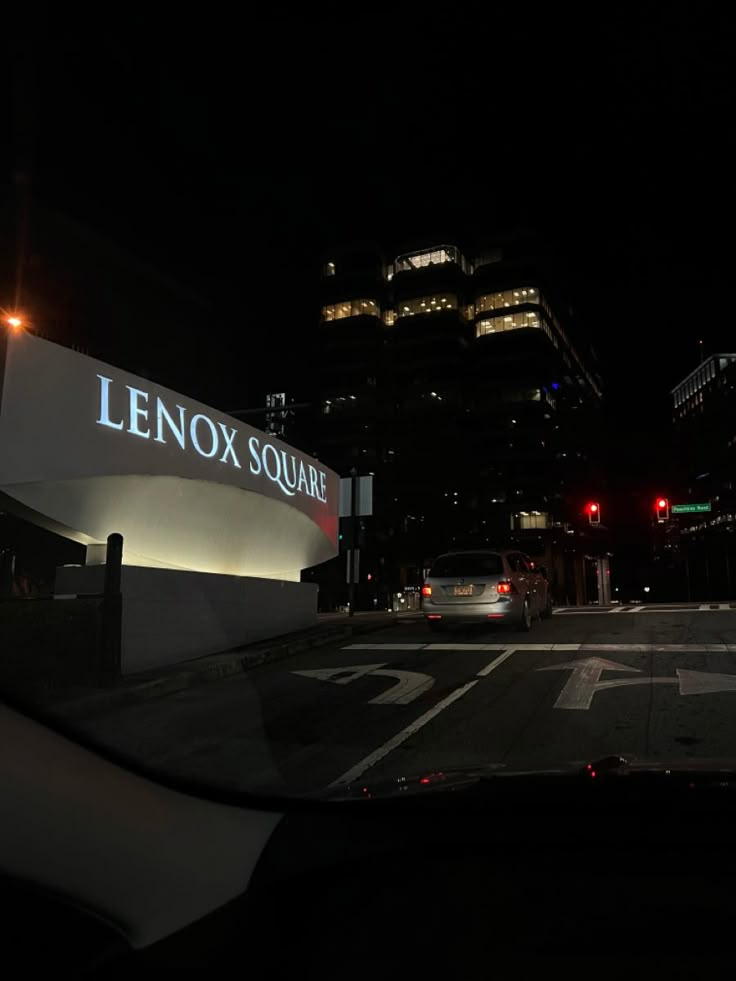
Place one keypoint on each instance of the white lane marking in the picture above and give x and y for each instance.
(464, 647)
(658, 648)
(378, 754)
(574, 611)
(626, 648)
(492, 665)
(384, 647)
(704, 608)
(409, 685)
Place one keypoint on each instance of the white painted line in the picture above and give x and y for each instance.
(384, 647)
(574, 612)
(656, 648)
(492, 665)
(378, 754)
(704, 608)
(630, 648)
(466, 647)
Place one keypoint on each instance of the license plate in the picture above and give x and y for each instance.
(463, 590)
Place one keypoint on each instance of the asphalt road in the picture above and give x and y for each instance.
(644, 682)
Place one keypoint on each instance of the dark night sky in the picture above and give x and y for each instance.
(229, 155)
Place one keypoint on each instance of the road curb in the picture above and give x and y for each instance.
(214, 667)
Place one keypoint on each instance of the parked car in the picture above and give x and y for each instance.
(502, 585)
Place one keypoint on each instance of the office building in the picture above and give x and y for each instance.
(702, 559)
(454, 377)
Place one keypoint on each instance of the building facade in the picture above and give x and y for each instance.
(698, 548)
(453, 377)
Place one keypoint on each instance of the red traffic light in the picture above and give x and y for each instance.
(661, 502)
(593, 510)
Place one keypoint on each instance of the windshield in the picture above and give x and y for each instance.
(367, 410)
(468, 565)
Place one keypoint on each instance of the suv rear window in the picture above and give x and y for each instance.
(468, 565)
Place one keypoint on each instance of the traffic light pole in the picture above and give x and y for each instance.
(353, 538)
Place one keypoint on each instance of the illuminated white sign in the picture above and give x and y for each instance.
(152, 419)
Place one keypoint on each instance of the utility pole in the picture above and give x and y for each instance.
(353, 537)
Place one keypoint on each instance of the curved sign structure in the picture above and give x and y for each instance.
(89, 450)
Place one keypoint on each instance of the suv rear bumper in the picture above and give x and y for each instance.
(474, 612)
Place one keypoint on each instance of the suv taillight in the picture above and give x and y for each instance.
(505, 587)
(426, 590)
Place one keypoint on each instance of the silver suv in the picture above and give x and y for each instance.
(485, 586)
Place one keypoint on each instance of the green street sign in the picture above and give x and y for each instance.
(689, 508)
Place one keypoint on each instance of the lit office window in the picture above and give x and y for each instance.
(350, 308)
(430, 257)
(328, 269)
(508, 321)
(505, 299)
(427, 304)
(534, 519)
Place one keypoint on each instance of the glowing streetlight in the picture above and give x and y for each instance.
(15, 322)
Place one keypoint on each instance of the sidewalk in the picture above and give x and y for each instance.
(136, 688)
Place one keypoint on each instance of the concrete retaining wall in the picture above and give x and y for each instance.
(169, 616)
(46, 645)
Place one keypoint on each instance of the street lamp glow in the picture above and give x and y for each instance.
(15, 322)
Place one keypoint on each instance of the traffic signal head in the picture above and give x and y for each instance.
(593, 510)
(662, 507)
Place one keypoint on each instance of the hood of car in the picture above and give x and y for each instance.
(494, 777)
